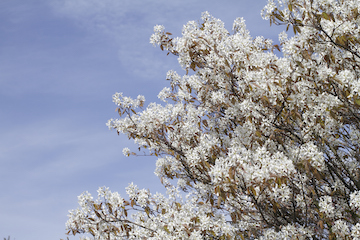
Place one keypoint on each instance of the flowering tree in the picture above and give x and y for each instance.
(265, 147)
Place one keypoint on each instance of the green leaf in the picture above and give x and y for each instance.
(258, 133)
(166, 229)
(242, 237)
(325, 16)
(357, 101)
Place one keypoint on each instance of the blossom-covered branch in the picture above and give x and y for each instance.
(265, 147)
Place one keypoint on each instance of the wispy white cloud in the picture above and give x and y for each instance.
(67, 148)
(46, 164)
(130, 23)
(127, 24)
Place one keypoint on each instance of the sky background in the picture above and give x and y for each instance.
(60, 63)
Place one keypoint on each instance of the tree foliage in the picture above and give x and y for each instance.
(265, 147)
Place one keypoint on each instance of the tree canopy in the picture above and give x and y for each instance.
(263, 146)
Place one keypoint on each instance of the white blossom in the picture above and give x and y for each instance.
(355, 199)
(126, 151)
(341, 229)
(264, 146)
(326, 206)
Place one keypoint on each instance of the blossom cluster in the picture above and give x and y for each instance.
(266, 147)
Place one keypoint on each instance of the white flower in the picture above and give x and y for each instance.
(283, 37)
(143, 197)
(132, 191)
(267, 10)
(355, 232)
(155, 39)
(326, 206)
(126, 151)
(218, 97)
(341, 229)
(355, 200)
(165, 93)
(309, 152)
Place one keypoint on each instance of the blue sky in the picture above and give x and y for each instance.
(60, 63)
